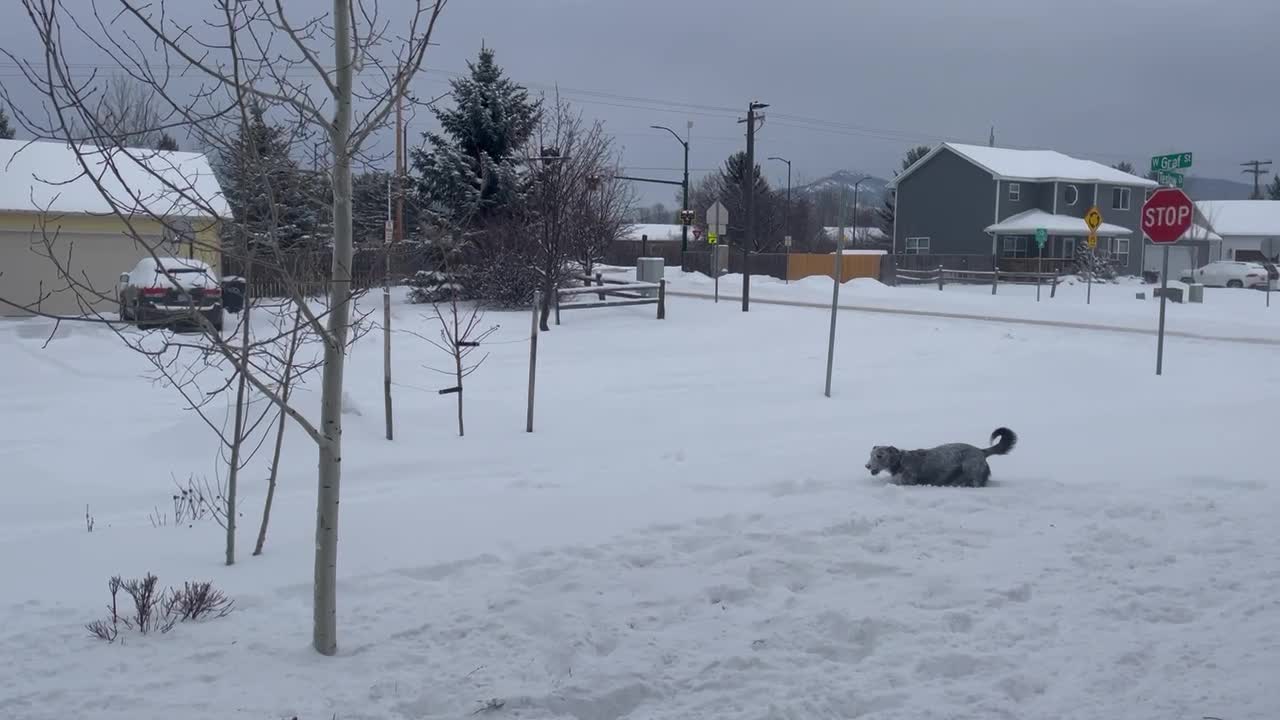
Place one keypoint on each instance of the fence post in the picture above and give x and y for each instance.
(995, 275)
(662, 299)
(533, 360)
(557, 307)
(600, 283)
(1053, 289)
(940, 277)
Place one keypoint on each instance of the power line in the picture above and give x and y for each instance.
(632, 102)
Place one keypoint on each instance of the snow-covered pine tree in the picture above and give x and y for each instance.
(6, 130)
(278, 203)
(469, 171)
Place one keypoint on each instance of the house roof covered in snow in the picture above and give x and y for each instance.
(1230, 218)
(52, 177)
(1033, 166)
(1026, 223)
(657, 232)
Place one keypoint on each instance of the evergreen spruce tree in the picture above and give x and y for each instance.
(270, 197)
(167, 143)
(1273, 189)
(6, 130)
(469, 172)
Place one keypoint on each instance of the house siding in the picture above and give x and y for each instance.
(1131, 219)
(950, 201)
(1028, 198)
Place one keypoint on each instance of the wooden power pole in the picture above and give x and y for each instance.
(1256, 169)
(748, 195)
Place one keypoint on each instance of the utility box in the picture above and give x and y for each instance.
(1173, 294)
(650, 270)
(1195, 293)
(719, 260)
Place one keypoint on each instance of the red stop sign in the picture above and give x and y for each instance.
(1166, 215)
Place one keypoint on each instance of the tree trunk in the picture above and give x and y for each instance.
(457, 362)
(237, 430)
(548, 292)
(285, 385)
(325, 623)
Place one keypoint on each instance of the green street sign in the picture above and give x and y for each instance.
(1171, 179)
(1042, 236)
(1165, 163)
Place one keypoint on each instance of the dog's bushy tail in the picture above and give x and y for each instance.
(1007, 439)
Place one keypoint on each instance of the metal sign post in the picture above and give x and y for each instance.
(836, 274)
(1093, 219)
(717, 223)
(1166, 217)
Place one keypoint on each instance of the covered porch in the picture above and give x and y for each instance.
(1015, 237)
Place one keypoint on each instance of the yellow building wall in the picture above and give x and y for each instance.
(92, 249)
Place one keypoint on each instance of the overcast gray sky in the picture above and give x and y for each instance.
(853, 84)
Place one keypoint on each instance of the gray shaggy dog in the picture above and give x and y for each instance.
(952, 465)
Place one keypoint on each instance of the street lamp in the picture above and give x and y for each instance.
(788, 162)
(684, 223)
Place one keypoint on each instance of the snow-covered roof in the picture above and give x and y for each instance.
(865, 234)
(657, 232)
(40, 176)
(1026, 223)
(1200, 232)
(1242, 217)
(1034, 166)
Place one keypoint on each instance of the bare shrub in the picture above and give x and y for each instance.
(156, 610)
(88, 519)
(149, 606)
(198, 600)
(193, 502)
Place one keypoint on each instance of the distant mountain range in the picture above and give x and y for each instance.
(1201, 188)
(874, 190)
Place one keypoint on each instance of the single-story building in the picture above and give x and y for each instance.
(66, 238)
(972, 200)
(1248, 229)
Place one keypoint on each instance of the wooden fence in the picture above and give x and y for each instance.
(308, 272)
(995, 278)
(1060, 266)
(803, 265)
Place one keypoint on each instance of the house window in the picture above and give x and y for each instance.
(1120, 198)
(1015, 191)
(917, 246)
(1121, 254)
(1068, 248)
(1072, 195)
(1015, 246)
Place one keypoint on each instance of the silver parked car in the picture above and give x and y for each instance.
(165, 291)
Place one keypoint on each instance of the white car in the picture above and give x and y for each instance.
(1232, 274)
(169, 290)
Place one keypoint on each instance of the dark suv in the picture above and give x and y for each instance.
(170, 290)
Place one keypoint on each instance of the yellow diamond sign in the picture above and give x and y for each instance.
(1093, 219)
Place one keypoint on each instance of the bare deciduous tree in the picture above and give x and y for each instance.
(568, 160)
(251, 54)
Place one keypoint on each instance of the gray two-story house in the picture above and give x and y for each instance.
(972, 200)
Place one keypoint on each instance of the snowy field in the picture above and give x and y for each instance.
(690, 533)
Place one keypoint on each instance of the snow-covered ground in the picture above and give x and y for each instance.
(1225, 312)
(689, 533)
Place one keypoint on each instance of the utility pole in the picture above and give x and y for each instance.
(748, 192)
(1255, 168)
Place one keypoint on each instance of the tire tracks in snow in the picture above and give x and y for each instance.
(989, 318)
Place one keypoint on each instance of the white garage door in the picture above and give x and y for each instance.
(29, 277)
